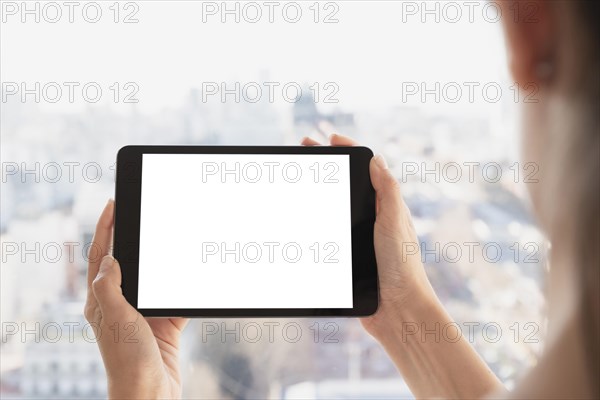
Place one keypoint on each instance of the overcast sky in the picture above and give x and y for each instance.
(373, 48)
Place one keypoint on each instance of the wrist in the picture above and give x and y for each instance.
(137, 390)
(396, 312)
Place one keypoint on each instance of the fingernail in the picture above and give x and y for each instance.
(380, 161)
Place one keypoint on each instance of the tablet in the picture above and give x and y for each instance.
(246, 231)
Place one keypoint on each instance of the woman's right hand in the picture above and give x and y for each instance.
(407, 304)
(403, 284)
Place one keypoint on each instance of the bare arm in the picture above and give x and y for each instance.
(428, 349)
(432, 366)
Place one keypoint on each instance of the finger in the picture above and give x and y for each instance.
(306, 141)
(101, 242)
(341, 140)
(108, 293)
(168, 329)
(389, 198)
(177, 322)
(180, 323)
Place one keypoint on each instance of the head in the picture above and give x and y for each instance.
(553, 47)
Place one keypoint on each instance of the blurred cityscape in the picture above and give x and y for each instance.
(500, 297)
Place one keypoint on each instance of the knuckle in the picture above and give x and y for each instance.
(393, 182)
(100, 283)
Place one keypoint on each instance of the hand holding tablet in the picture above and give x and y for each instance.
(397, 288)
(246, 231)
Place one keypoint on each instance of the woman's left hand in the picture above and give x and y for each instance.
(140, 354)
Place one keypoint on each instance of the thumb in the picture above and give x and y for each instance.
(107, 289)
(389, 199)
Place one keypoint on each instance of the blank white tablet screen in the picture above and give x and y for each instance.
(245, 231)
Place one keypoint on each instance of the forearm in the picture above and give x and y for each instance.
(432, 355)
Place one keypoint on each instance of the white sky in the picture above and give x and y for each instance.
(369, 53)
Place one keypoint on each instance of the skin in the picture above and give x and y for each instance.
(149, 368)
(142, 361)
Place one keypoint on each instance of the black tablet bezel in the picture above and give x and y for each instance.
(364, 268)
